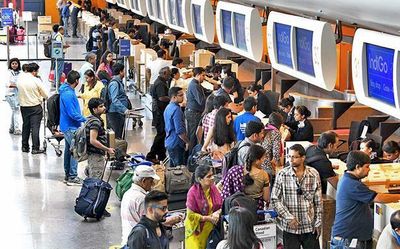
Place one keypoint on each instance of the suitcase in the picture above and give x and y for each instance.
(177, 179)
(177, 201)
(93, 198)
(67, 67)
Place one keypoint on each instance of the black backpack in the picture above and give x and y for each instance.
(231, 158)
(198, 157)
(47, 47)
(53, 112)
(239, 199)
(104, 95)
(115, 46)
(89, 43)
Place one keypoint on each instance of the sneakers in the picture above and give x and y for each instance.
(106, 214)
(65, 179)
(76, 181)
(39, 151)
(25, 149)
(11, 131)
(17, 132)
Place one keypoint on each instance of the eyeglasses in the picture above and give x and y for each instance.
(162, 208)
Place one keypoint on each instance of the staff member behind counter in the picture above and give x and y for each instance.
(353, 219)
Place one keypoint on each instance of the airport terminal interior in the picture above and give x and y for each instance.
(332, 69)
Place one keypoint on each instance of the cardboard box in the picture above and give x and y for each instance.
(202, 58)
(44, 19)
(45, 28)
(169, 37)
(185, 48)
(124, 18)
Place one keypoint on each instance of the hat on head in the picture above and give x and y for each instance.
(146, 171)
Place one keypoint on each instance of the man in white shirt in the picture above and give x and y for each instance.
(90, 61)
(390, 236)
(31, 93)
(132, 205)
(156, 65)
(60, 63)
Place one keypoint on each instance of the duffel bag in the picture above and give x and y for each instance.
(177, 179)
(124, 183)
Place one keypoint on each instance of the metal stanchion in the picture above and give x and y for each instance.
(27, 36)
(8, 43)
(37, 46)
(56, 74)
(126, 72)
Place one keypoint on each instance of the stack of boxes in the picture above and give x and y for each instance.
(44, 24)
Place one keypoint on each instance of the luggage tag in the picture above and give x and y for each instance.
(353, 243)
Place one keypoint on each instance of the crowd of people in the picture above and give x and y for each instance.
(190, 118)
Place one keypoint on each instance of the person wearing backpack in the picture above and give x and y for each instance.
(119, 101)
(60, 63)
(250, 106)
(149, 232)
(254, 135)
(71, 119)
(97, 139)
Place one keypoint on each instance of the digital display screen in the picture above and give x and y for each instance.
(150, 2)
(227, 27)
(304, 50)
(179, 13)
(197, 19)
(283, 50)
(136, 4)
(158, 10)
(240, 34)
(380, 73)
(171, 11)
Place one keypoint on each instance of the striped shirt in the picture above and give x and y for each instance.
(306, 208)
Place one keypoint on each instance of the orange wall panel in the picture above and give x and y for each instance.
(343, 55)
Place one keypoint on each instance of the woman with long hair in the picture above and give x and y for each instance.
(209, 107)
(106, 63)
(91, 89)
(250, 178)
(224, 136)
(14, 70)
(303, 131)
(203, 208)
(240, 231)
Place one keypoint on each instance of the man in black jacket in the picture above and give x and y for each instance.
(149, 232)
(316, 157)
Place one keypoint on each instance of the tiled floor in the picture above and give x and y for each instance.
(37, 208)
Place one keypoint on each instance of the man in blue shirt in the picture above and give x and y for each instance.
(119, 101)
(354, 221)
(196, 100)
(65, 13)
(176, 141)
(70, 120)
(250, 106)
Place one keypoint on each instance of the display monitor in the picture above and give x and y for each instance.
(227, 27)
(283, 47)
(150, 9)
(197, 19)
(158, 9)
(240, 33)
(136, 4)
(304, 51)
(171, 10)
(380, 73)
(179, 17)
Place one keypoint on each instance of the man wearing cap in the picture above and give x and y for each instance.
(132, 205)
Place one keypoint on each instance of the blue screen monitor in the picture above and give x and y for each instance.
(380, 73)
(158, 10)
(171, 11)
(304, 51)
(283, 49)
(227, 27)
(179, 13)
(240, 31)
(150, 10)
(197, 19)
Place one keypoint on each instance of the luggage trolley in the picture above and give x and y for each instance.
(56, 134)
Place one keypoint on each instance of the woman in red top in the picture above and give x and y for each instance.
(106, 63)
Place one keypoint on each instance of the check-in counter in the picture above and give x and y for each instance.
(234, 65)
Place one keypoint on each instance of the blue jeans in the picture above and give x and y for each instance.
(345, 244)
(65, 20)
(12, 100)
(177, 156)
(60, 70)
(70, 164)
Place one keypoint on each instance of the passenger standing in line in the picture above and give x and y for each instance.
(70, 120)
(60, 63)
(203, 208)
(31, 93)
(317, 157)
(74, 18)
(120, 103)
(111, 35)
(60, 5)
(96, 36)
(176, 141)
(159, 93)
(354, 221)
(90, 64)
(97, 139)
(297, 198)
(254, 135)
(196, 100)
(156, 65)
(91, 89)
(14, 69)
(263, 104)
(106, 63)
(149, 232)
(390, 236)
(241, 231)
(250, 106)
(65, 13)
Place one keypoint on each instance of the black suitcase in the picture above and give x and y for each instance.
(177, 201)
(93, 198)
